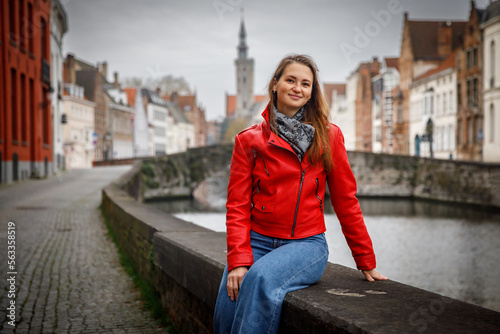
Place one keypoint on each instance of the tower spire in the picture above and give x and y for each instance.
(242, 47)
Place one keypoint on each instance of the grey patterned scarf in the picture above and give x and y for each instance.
(294, 132)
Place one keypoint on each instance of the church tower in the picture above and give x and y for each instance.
(244, 75)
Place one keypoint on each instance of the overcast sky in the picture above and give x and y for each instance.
(197, 39)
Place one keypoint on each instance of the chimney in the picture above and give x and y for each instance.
(158, 91)
(445, 38)
(104, 69)
(116, 83)
(70, 66)
(406, 16)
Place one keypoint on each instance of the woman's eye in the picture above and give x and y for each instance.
(306, 84)
(289, 80)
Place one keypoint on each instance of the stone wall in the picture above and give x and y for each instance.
(377, 175)
(382, 175)
(184, 263)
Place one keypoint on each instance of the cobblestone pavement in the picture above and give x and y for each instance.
(68, 277)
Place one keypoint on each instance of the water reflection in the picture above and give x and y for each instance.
(453, 250)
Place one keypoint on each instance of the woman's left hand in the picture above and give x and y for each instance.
(373, 275)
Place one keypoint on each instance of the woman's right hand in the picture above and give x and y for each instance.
(234, 278)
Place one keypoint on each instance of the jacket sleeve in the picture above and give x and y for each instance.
(238, 205)
(342, 187)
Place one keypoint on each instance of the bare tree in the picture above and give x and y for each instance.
(167, 83)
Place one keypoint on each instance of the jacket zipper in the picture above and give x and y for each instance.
(319, 198)
(298, 201)
(303, 171)
(255, 154)
(257, 189)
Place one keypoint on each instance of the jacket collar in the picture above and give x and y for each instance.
(276, 140)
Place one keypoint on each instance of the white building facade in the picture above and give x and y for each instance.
(343, 112)
(491, 83)
(181, 132)
(78, 131)
(157, 111)
(58, 27)
(433, 115)
(142, 148)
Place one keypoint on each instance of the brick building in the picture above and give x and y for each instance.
(363, 102)
(196, 115)
(25, 115)
(92, 79)
(469, 85)
(425, 44)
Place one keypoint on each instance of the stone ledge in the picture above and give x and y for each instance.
(192, 258)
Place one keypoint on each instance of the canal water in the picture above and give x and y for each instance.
(452, 250)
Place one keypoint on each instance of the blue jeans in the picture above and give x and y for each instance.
(280, 266)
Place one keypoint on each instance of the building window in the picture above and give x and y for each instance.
(472, 57)
(23, 113)
(22, 31)
(460, 132)
(30, 28)
(459, 96)
(452, 137)
(12, 20)
(13, 103)
(492, 64)
(472, 92)
(438, 104)
(492, 123)
(45, 120)
(43, 37)
(400, 112)
(478, 129)
(470, 130)
(445, 111)
(451, 103)
(32, 110)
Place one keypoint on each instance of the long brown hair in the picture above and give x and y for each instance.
(316, 111)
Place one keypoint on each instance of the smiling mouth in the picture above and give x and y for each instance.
(295, 96)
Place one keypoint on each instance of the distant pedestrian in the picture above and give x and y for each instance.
(275, 220)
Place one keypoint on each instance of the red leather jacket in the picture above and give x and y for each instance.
(271, 192)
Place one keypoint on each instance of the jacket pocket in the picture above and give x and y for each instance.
(264, 207)
(320, 200)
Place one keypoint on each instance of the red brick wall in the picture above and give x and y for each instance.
(25, 116)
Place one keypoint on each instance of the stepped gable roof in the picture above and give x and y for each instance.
(449, 62)
(131, 94)
(424, 37)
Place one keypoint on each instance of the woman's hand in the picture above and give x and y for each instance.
(234, 278)
(372, 275)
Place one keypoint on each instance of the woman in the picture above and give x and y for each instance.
(275, 222)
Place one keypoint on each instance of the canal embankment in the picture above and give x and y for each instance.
(184, 262)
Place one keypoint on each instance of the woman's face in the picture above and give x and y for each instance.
(293, 89)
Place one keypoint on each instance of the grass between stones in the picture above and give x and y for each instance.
(149, 296)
